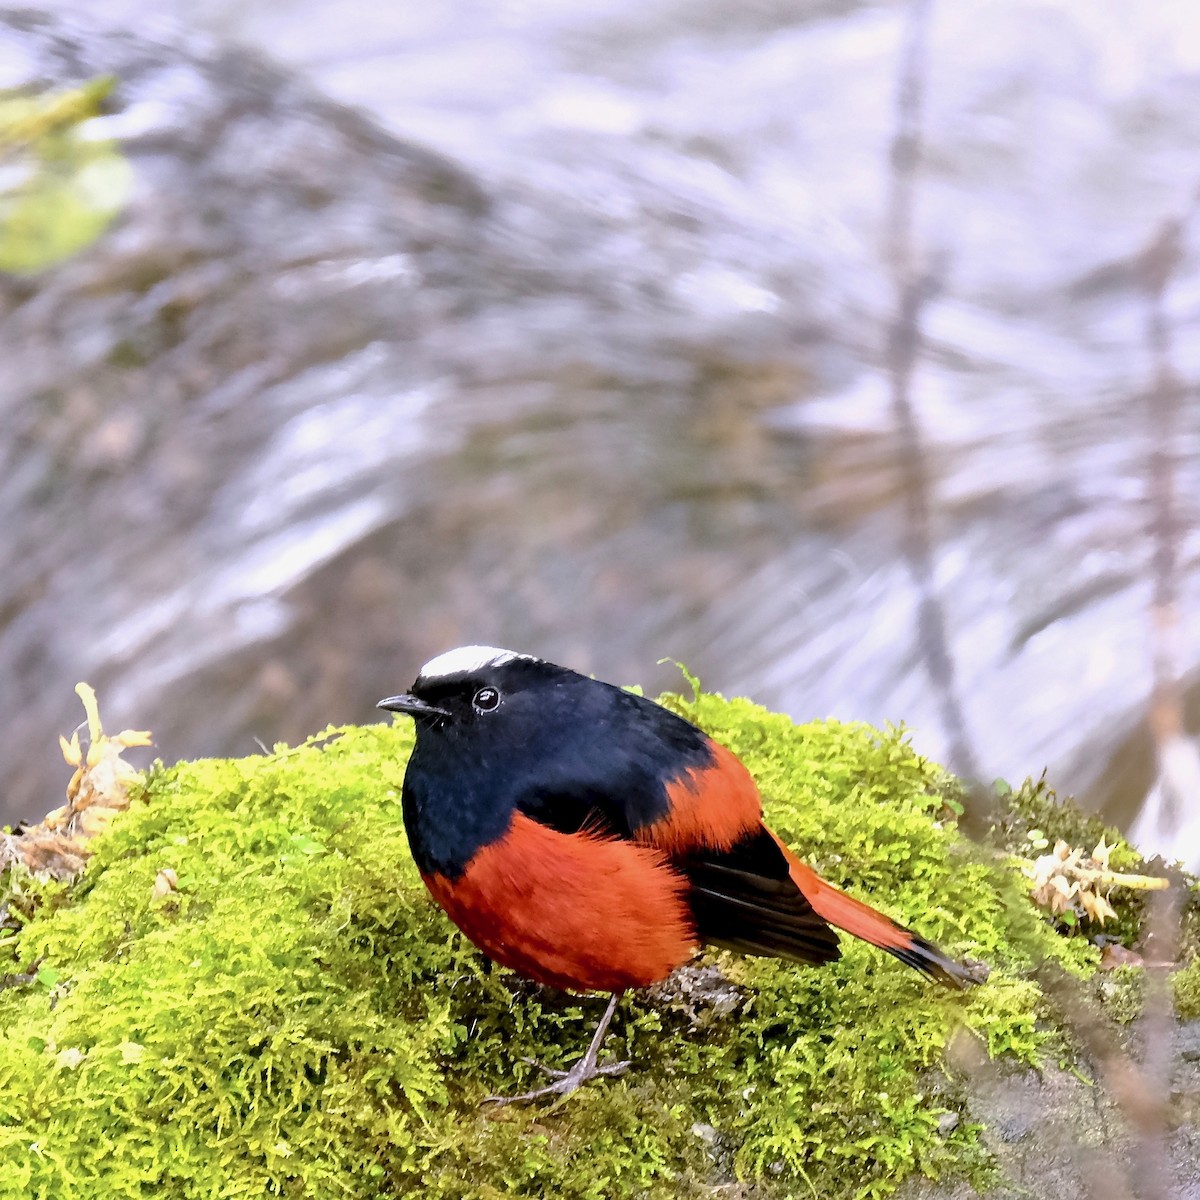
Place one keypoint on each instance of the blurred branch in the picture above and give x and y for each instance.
(1150, 1118)
(1140, 1082)
(1178, 760)
(903, 350)
(1156, 267)
(1140, 1092)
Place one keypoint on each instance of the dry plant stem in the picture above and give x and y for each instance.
(1139, 883)
(1105, 1173)
(903, 349)
(1149, 1119)
(1158, 263)
(1141, 1091)
(21, 978)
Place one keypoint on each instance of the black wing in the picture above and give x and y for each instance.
(744, 899)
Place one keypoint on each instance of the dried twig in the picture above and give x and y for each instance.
(1149, 1120)
(1178, 761)
(903, 350)
(57, 846)
(21, 978)
(1067, 879)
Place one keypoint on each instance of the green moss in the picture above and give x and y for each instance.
(1122, 992)
(299, 1020)
(1185, 989)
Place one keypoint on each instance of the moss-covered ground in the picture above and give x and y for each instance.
(298, 1019)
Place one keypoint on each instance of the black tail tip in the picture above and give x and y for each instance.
(925, 957)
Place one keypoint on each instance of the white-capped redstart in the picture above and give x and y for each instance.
(591, 839)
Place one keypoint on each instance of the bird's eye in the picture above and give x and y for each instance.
(486, 700)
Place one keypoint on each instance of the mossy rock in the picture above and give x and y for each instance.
(298, 1019)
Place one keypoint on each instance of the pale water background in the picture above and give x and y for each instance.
(601, 377)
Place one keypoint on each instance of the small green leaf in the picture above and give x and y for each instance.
(61, 188)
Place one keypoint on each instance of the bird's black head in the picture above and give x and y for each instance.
(478, 694)
(499, 732)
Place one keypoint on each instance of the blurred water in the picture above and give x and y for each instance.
(602, 377)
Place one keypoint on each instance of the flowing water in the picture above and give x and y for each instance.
(571, 338)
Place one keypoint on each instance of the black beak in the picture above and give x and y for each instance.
(412, 705)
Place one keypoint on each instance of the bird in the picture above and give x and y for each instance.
(592, 840)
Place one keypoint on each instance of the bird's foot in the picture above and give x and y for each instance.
(565, 1082)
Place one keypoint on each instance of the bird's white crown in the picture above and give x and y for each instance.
(465, 659)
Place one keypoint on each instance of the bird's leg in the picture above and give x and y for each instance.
(586, 1068)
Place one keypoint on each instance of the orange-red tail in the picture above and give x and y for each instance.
(872, 926)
